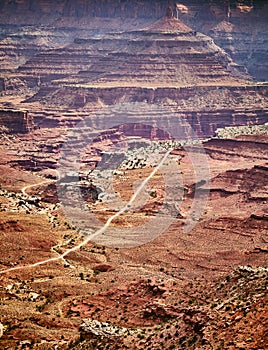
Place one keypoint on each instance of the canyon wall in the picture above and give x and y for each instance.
(127, 8)
(16, 121)
(240, 28)
(63, 71)
(204, 108)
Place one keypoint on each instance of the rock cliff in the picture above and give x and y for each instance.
(16, 121)
(166, 52)
(239, 27)
(65, 74)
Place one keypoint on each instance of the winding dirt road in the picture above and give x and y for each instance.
(27, 187)
(98, 232)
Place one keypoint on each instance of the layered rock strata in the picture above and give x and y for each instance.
(166, 53)
(16, 121)
(165, 64)
(239, 27)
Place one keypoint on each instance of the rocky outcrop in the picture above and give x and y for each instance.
(161, 311)
(101, 335)
(93, 328)
(16, 121)
(249, 182)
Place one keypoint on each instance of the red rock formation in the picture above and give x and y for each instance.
(223, 111)
(16, 121)
(169, 23)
